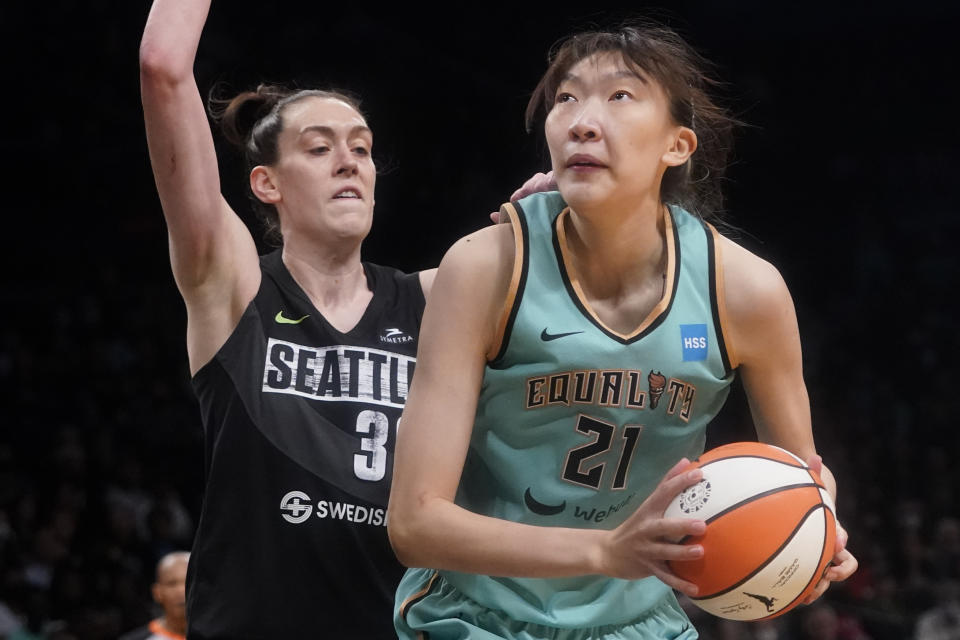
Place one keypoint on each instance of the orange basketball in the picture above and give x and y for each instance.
(771, 531)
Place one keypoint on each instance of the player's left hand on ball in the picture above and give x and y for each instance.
(537, 183)
(816, 464)
(843, 566)
(844, 563)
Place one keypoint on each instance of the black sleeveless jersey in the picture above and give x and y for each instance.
(300, 422)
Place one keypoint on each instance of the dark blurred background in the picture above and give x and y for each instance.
(843, 177)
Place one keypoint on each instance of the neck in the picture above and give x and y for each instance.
(329, 279)
(337, 256)
(616, 249)
(174, 625)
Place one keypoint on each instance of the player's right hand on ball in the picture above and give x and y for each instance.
(641, 546)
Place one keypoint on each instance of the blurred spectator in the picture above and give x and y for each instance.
(169, 592)
(822, 622)
(943, 621)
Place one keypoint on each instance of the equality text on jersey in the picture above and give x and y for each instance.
(338, 373)
(630, 389)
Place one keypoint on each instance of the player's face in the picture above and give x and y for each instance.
(609, 132)
(325, 174)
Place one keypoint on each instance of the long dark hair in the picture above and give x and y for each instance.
(252, 122)
(661, 53)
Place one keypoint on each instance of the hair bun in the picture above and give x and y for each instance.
(238, 116)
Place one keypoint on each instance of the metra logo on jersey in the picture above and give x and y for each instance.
(296, 508)
(340, 372)
(629, 389)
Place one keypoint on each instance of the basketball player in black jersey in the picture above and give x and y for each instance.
(301, 359)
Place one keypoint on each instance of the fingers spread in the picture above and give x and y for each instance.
(677, 529)
(677, 469)
(844, 565)
(818, 591)
(663, 573)
(673, 483)
(673, 552)
(842, 538)
(535, 184)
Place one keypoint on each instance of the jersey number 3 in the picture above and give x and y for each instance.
(603, 432)
(371, 463)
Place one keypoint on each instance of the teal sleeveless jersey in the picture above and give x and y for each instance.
(577, 424)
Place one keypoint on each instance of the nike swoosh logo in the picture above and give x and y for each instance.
(542, 509)
(281, 320)
(547, 337)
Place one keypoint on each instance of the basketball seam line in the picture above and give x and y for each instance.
(749, 455)
(757, 496)
(789, 539)
(813, 578)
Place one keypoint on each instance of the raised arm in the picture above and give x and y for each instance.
(427, 529)
(765, 339)
(214, 259)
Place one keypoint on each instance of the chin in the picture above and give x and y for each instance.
(579, 195)
(350, 222)
(352, 230)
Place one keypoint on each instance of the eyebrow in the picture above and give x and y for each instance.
(622, 73)
(328, 131)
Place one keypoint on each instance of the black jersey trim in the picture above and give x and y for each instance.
(419, 595)
(521, 218)
(412, 280)
(568, 284)
(712, 268)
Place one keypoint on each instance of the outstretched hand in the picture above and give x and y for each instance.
(537, 183)
(844, 563)
(642, 545)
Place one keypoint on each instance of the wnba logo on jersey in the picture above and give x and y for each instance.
(694, 340)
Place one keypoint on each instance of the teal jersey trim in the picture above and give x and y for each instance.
(577, 424)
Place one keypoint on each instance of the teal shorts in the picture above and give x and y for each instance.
(435, 610)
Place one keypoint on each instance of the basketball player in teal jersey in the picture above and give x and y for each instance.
(570, 362)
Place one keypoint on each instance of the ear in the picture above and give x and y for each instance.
(264, 186)
(155, 590)
(684, 144)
